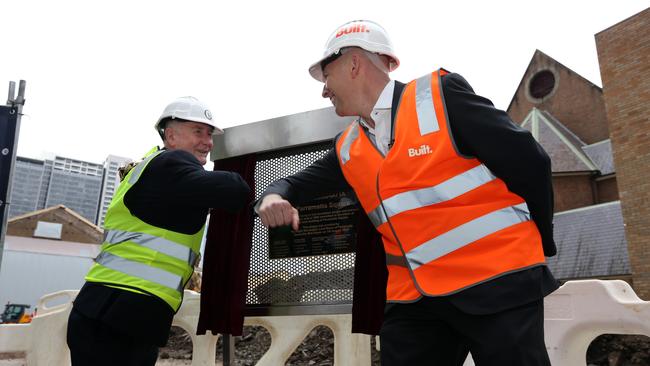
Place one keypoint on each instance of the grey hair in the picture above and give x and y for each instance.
(373, 57)
(168, 123)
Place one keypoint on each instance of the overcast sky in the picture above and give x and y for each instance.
(99, 73)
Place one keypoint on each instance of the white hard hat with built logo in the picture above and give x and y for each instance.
(358, 33)
(188, 109)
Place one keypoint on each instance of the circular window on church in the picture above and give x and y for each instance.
(541, 84)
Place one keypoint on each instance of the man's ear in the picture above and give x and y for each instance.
(355, 64)
(170, 136)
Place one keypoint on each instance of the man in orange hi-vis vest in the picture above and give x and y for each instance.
(461, 196)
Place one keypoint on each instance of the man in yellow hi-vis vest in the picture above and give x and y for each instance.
(152, 239)
(461, 197)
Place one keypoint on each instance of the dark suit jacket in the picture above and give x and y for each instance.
(510, 152)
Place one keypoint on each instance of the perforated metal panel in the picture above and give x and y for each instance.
(313, 280)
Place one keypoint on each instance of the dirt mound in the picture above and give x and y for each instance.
(317, 349)
(619, 350)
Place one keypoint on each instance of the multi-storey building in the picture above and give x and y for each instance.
(77, 185)
(84, 187)
(26, 186)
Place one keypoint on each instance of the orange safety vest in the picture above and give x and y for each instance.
(446, 221)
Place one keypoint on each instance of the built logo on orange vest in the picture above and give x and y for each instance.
(357, 28)
(422, 150)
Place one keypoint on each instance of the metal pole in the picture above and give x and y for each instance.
(228, 349)
(9, 130)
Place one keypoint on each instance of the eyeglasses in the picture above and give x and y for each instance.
(330, 59)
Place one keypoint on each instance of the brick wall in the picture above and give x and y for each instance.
(607, 190)
(624, 57)
(575, 191)
(575, 102)
(71, 230)
(572, 191)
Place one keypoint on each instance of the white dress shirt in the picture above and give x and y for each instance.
(380, 134)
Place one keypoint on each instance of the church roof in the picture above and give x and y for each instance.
(601, 154)
(591, 242)
(563, 147)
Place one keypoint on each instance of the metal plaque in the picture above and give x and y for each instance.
(327, 226)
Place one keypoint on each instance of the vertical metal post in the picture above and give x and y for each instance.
(9, 130)
(228, 349)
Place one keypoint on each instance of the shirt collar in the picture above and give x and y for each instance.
(385, 101)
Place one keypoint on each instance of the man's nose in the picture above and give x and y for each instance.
(326, 92)
(208, 140)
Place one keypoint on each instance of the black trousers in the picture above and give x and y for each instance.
(432, 331)
(92, 343)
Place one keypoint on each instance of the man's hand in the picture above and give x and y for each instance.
(276, 211)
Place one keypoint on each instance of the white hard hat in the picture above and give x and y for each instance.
(188, 109)
(358, 33)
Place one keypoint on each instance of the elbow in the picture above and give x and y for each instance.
(245, 193)
(541, 169)
(538, 158)
(234, 195)
(543, 162)
(241, 194)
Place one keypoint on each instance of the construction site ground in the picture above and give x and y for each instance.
(318, 350)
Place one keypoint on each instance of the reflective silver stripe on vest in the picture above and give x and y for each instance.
(396, 260)
(161, 245)
(347, 142)
(466, 234)
(377, 216)
(447, 190)
(140, 167)
(140, 270)
(427, 119)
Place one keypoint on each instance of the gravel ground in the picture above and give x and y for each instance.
(172, 362)
(318, 349)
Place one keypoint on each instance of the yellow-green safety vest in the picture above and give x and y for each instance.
(138, 256)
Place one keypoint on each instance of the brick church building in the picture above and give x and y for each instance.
(598, 140)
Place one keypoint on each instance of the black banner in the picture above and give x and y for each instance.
(8, 123)
(327, 226)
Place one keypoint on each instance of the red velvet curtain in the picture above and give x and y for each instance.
(370, 277)
(226, 259)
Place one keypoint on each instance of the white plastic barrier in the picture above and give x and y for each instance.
(287, 332)
(44, 338)
(575, 314)
(580, 311)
